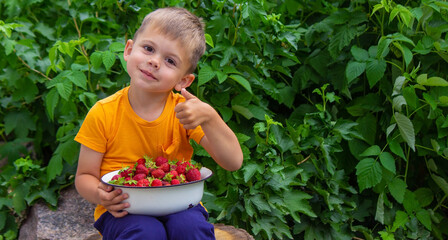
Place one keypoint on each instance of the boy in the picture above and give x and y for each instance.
(148, 118)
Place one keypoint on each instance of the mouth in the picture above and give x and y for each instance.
(148, 74)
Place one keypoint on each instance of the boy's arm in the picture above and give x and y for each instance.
(90, 187)
(219, 140)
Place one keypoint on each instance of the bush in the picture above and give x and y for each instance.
(340, 108)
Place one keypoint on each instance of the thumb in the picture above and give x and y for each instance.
(186, 94)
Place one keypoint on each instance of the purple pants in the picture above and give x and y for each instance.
(189, 224)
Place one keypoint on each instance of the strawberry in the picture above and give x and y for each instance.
(141, 161)
(141, 169)
(175, 182)
(165, 167)
(181, 168)
(116, 177)
(125, 172)
(143, 183)
(165, 183)
(158, 173)
(174, 173)
(139, 177)
(193, 175)
(156, 183)
(160, 160)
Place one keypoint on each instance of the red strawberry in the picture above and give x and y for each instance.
(175, 182)
(193, 175)
(125, 172)
(181, 168)
(165, 183)
(165, 167)
(116, 177)
(158, 173)
(156, 183)
(141, 169)
(160, 160)
(143, 183)
(174, 173)
(139, 177)
(141, 161)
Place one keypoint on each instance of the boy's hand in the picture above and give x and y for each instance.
(112, 199)
(193, 112)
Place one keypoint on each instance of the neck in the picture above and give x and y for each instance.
(148, 106)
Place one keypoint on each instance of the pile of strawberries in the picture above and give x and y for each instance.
(159, 172)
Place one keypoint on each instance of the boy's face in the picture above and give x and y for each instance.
(156, 63)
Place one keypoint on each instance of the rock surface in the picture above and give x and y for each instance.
(73, 220)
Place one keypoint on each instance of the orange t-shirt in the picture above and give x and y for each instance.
(113, 128)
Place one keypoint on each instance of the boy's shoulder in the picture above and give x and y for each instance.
(114, 97)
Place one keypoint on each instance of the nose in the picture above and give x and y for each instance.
(154, 62)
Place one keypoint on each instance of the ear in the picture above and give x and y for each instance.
(185, 82)
(128, 49)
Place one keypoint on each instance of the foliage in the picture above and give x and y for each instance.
(340, 108)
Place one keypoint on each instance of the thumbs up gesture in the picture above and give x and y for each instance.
(193, 112)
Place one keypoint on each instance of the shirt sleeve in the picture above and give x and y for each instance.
(92, 132)
(196, 134)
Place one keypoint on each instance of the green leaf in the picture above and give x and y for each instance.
(374, 150)
(406, 129)
(54, 167)
(78, 78)
(383, 47)
(379, 213)
(250, 169)
(116, 47)
(297, 201)
(410, 202)
(205, 74)
(360, 55)
(369, 173)
(209, 40)
(18, 198)
(424, 217)
(395, 147)
(243, 111)
(424, 196)
(441, 183)
(401, 218)
(354, 70)
(344, 35)
(388, 161)
(51, 101)
(397, 189)
(64, 89)
(432, 81)
(375, 71)
(96, 59)
(19, 122)
(108, 59)
(242, 81)
(260, 203)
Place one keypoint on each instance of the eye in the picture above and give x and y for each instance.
(171, 61)
(148, 48)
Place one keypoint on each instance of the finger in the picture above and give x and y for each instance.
(186, 94)
(118, 214)
(105, 187)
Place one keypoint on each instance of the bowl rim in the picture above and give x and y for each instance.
(158, 187)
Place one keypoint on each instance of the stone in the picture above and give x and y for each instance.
(73, 220)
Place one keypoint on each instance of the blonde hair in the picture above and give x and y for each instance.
(178, 24)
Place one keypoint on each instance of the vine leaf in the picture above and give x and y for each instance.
(369, 173)
(406, 129)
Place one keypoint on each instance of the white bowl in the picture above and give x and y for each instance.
(163, 200)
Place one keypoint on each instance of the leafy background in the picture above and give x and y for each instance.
(340, 108)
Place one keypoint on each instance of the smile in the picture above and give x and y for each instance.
(148, 74)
